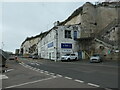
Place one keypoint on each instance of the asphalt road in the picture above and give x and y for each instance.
(22, 75)
(104, 75)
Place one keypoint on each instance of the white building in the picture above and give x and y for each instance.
(59, 41)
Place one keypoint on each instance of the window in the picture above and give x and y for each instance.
(72, 54)
(75, 35)
(75, 28)
(67, 34)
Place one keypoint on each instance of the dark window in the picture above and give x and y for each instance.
(72, 54)
(67, 55)
(67, 34)
(75, 28)
(75, 35)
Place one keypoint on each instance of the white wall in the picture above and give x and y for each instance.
(54, 41)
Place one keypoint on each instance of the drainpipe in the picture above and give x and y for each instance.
(56, 46)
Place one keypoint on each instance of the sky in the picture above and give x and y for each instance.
(19, 20)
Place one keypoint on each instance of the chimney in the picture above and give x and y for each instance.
(56, 23)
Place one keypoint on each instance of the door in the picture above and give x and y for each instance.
(80, 55)
(49, 55)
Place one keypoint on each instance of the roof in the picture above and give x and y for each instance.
(41, 35)
(33, 37)
(75, 13)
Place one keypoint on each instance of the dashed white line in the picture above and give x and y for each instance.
(47, 74)
(31, 67)
(68, 78)
(37, 64)
(46, 71)
(54, 76)
(9, 70)
(95, 85)
(28, 66)
(79, 81)
(3, 77)
(34, 68)
(41, 72)
(37, 69)
(59, 75)
(52, 73)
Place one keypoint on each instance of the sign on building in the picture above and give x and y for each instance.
(50, 45)
(66, 45)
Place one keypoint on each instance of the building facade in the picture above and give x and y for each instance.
(59, 41)
(92, 25)
(29, 46)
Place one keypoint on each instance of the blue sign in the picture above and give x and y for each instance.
(50, 45)
(66, 45)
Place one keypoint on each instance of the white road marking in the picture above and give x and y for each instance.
(34, 69)
(59, 75)
(41, 70)
(31, 67)
(45, 71)
(32, 63)
(52, 73)
(68, 78)
(26, 66)
(9, 70)
(37, 64)
(79, 81)
(95, 85)
(30, 82)
(47, 74)
(37, 70)
(3, 77)
(54, 76)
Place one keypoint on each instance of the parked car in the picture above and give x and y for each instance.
(30, 56)
(35, 57)
(69, 57)
(12, 57)
(96, 58)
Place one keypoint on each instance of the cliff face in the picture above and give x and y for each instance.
(105, 15)
(93, 18)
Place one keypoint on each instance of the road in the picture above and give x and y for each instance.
(50, 74)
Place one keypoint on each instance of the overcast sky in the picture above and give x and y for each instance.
(26, 19)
